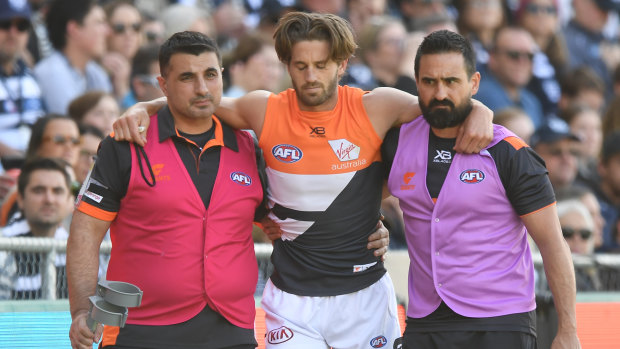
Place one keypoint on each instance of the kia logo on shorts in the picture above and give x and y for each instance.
(287, 153)
(279, 335)
(241, 178)
(378, 342)
(472, 176)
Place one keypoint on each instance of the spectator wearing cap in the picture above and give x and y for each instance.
(20, 95)
(586, 38)
(78, 32)
(508, 72)
(608, 189)
(558, 147)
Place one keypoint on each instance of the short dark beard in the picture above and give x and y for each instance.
(446, 118)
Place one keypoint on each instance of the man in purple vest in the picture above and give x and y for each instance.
(467, 217)
(180, 214)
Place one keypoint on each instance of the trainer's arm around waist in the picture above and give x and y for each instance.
(82, 267)
(544, 227)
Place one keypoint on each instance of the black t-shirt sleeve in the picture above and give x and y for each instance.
(524, 177)
(388, 149)
(109, 179)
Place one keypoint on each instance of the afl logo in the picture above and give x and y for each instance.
(279, 335)
(472, 176)
(378, 342)
(241, 178)
(287, 153)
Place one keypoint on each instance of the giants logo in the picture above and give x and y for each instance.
(241, 178)
(378, 342)
(287, 153)
(407, 177)
(472, 176)
(279, 335)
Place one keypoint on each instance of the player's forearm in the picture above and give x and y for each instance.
(560, 273)
(229, 113)
(82, 261)
(153, 106)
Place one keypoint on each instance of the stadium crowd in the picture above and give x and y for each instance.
(550, 71)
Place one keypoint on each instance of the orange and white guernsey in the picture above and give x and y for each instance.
(325, 178)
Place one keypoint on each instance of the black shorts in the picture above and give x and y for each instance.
(207, 330)
(469, 339)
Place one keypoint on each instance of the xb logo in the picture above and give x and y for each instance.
(319, 131)
(442, 155)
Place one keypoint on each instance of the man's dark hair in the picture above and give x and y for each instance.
(189, 42)
(38, 129)
(60, 13)
(42, 164)
(445, 41)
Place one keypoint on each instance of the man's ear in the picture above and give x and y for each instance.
(162, 85)
(475, 83)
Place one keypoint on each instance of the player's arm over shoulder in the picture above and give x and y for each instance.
(246, 112)
(388, 107)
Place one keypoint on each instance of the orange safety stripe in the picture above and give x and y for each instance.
(110, 333)
(516, 142)
(96, 212)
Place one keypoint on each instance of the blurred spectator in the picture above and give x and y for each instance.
(44, 198)
(608, 189)
(558, 147)
(586, 124)
(611, 118)
(144, 73)
(517, 121)
(384, 48)
(153, 29)
(39, 44)
(178, 18)
(577, 226)
(95, 108)
(582, 86)
(540, 19)
(20, 95)
(229, 19)
(478, 21)
(359, 12)
(123, 41)
(90, 137)
(509, 70)
(589, 200)
(336, 7)
(586, 39)
(415, 10)
(53, 136)
(253, 65)
(78, 31)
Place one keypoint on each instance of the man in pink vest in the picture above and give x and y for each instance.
(180, 213)
(467, 217)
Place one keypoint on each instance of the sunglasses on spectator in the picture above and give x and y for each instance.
(61, 140)
(534, 8)
(120, 28)
(152, 36)
(569, 232)
(20, 24)
(560, 152)
(149, 79)
(518, 55)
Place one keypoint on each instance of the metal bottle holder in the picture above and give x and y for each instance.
(109, 305)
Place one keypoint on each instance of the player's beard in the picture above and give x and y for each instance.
(316, 100)
(441, 118)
